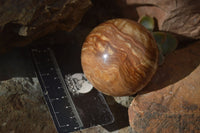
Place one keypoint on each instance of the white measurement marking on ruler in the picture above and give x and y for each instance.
(45, 74)
(67, 125)
(49, 97)
(63, 85)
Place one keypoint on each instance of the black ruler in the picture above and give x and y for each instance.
(68, 110)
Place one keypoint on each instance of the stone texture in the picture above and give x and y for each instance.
(189, 60)
(178, 16)
(119, 57)
(22, 108)
(171, 102)
(100, 129)
(124, 101)
(23, 21)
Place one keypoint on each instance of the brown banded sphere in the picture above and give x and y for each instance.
(119, 57)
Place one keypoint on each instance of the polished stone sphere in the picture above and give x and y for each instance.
(119, 57)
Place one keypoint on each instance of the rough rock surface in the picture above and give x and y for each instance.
(22, 109)
(100, 129)
(171, 102)
(178, 16)
(22, 21)
(124, 101)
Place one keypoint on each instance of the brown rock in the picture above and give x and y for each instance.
(176, 107)
(22, 109)
(25, 20)
(177, 16)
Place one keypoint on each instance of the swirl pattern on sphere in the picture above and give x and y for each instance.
(119, 57)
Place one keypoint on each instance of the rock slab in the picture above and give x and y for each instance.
(22, 108)
(177, 16)
(23, 21)
(175, 107)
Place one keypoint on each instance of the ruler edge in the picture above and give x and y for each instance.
(65, 87)
(47, 100)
